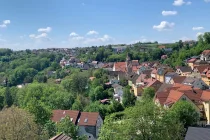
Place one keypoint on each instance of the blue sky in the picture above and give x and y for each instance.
(78, 23)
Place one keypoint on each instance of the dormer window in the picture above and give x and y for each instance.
(86, 120)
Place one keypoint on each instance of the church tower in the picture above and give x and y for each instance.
(128, 64)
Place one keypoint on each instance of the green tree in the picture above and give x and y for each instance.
(67, 127)
(185, 112)
(50, 127)
(77, 105)
(148, 93)
(18, 124)
(42, 113)
(8, 101)
(129, 98)
(1, 102)
(144, 121)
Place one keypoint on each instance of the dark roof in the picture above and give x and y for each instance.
(185, 69)
(161, 71)
(61, 137)
(179, 79)
(196, 133)
(171, 74)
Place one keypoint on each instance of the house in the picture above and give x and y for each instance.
(127, 66)
(164, 57)
(61, 136)
(58, 115)
(191, 62)
(200, 69)
(179, 92)
(205, 76)
(154, 73)
(161, 73)
(118, 92)
(197, 133)
(205, 55)
(89, 124)
(143, 82)
(177, 79)
(184, 71)
(195, 82)
(169, 76)
(161, 47)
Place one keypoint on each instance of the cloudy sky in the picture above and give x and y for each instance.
(78, 23)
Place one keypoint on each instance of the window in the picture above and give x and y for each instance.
(86, 120)
(78, 120)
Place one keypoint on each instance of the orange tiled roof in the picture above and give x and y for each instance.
(205, 95)
(173, 96)
(206, 52)
(192, 60)
(120, 66)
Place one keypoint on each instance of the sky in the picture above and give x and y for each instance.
(35, 24)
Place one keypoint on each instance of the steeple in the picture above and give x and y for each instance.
(128, 64)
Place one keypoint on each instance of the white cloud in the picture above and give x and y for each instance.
(198, 34)
(73, 34)
(169, 13)
(5, 23)
(181, 2)
(197, 28)
(92, 32)
(207, 1)
(164, 26)
(105, 38)
(185, 38)
(48, 29)
(188, 3)
(77, 38)
(42, 36)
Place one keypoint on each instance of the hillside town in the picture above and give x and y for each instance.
(104, 70)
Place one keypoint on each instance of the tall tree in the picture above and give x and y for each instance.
(67, 127)
(144, 121)
(128, 98)
(8, 101)
(17, 124)
(185, 112)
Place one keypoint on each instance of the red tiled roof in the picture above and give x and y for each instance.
(88, 119)
(174, 93)
(59, 114)
(120, 66)
(201, 68)
(206, 52)
(173, 96)
(154, 71)
(135, 62)
(134, 68)
(153, 83)
(162, 96)
(205, 95)
(192, 60)
(161, 47)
